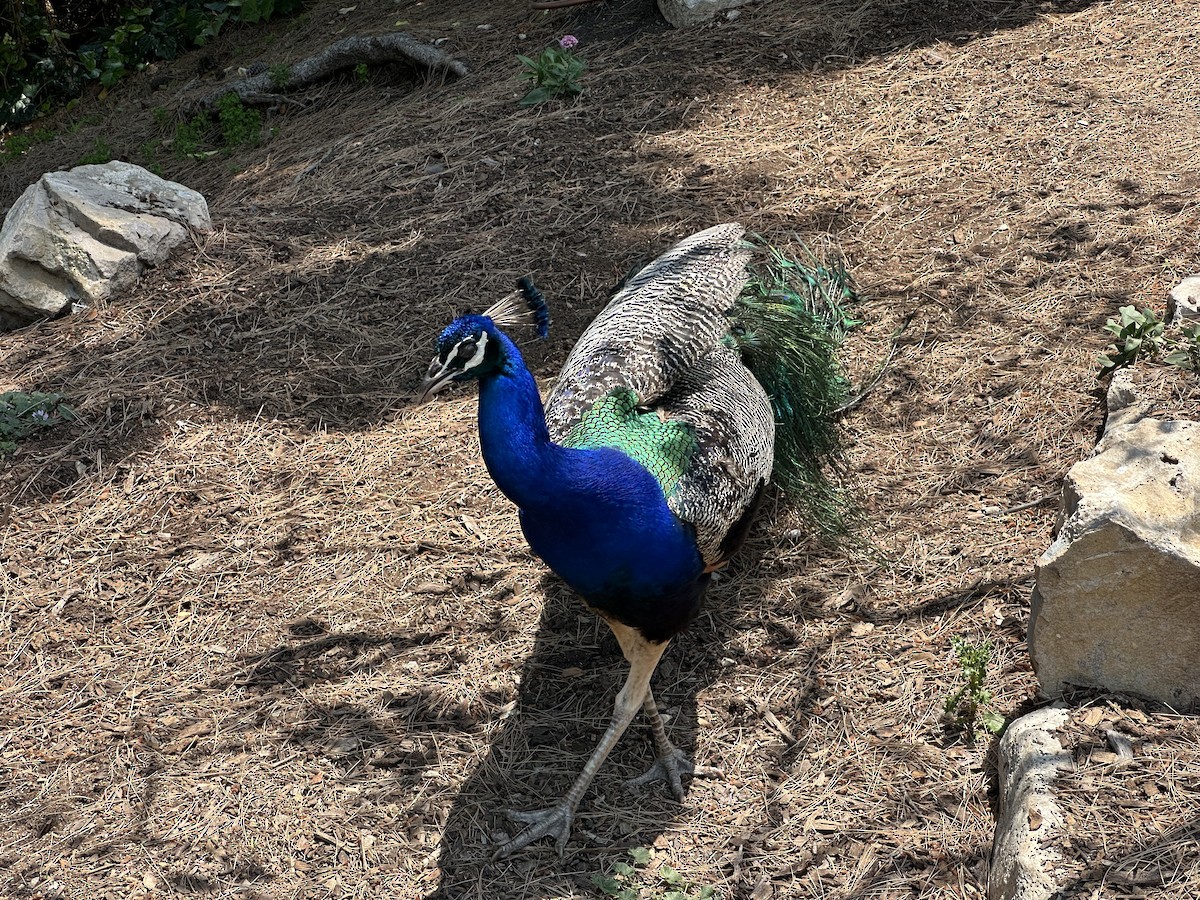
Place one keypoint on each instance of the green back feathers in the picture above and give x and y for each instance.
(664, 448)
(790, 320)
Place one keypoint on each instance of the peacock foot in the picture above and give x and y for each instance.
(671, 767)
(554, 821)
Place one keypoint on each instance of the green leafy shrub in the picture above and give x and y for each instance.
(241, 125)
(24, 414)
(190, 136)
(46, 58)
(1141, 333)
(555, 72)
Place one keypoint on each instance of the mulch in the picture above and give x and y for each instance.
(269, 631)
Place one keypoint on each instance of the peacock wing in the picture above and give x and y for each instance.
(733, 426)
(661, 322)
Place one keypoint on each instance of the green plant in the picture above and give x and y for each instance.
(1185, 352)
(1136, 333)
(101, 153)
(280, 74)
(555, 72)
(22, 414)
(50, 50)
(16, 144)
(190, 136)
(967, 708)
(625, 881)
(1141, 333)
(240, 124)
(362, 73)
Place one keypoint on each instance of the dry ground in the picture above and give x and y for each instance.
(269, 631)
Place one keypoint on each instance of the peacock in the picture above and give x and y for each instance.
(641, 474)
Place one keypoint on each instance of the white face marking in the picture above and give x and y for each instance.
(481, 346)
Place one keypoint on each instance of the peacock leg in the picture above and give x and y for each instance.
(556, 821)
(671, 764)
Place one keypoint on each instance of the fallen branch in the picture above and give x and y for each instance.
(265, 89)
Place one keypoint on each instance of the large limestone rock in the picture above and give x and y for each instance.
(1117, 599)
(682, 13)
(86, 234)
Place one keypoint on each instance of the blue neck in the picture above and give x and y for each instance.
(596, 517)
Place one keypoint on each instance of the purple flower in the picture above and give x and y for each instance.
(568, 41)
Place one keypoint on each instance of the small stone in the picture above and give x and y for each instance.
(1183, 303)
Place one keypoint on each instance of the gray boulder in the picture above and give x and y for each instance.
(1117, 598)
(87, 234)
(682, 13)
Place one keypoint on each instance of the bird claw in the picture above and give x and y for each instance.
(671, 767)
(554, 821)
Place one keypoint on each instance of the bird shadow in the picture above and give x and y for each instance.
(567, 687)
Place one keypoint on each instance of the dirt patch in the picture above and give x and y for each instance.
(271, 632)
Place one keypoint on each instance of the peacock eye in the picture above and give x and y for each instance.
(467, 349)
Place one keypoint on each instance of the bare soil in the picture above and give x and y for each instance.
(269, 631)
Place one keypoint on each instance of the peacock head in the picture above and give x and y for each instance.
(470, 346)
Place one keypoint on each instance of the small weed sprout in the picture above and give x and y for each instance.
(362, 73)
(625, 881)
(191, 135)
(554, 73)
(280, 74)
(1185, 350)
(240, 124)
(101, 153)
(966, 709)
(24, 413)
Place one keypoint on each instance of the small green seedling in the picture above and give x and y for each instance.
(967, 708)
(280, 74)
(362, 73)
(626, 881)
(23, 414)
(1185, 350)
(101, 153)
(555, 72)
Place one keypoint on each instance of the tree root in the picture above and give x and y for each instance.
(267, 88)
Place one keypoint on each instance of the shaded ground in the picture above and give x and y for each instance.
(270, 632)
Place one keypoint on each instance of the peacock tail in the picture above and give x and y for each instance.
(788, 324)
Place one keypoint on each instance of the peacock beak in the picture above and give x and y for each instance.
(437, 377)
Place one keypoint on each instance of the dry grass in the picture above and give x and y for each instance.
(270, 632)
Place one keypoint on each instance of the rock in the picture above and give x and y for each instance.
(1029, 758)
(87, 234)
(682, 13)
(1116, 603)
(1123, 402)
(1183, 303)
